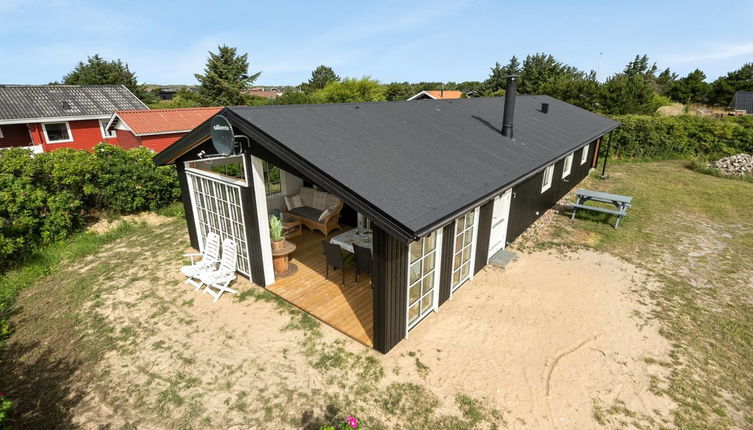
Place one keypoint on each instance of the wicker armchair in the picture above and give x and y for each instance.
(317, 210)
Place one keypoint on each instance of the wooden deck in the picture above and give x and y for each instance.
(347, 309)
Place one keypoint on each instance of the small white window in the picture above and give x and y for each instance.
(547, 182)
(568, 166)
(584, 155)
(1, 133)
(105, 133)
(57, 132)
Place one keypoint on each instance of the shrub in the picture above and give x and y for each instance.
(682, 136)
(45, 197)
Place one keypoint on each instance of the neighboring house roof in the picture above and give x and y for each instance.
(412, 165)
(161, 121)
(742, 100)
(39, 103)
(267, 94)
(438, 95)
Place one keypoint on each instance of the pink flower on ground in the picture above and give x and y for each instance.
(352, 422)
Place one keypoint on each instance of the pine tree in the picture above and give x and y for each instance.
(690, 89)
(320, 77)
(225, 77)
(98, 71)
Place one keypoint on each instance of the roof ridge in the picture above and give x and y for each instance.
(200, 108)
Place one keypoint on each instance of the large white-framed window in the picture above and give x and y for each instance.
(584, 154)
(272, 179)
(568, 166)
(57, 132)
(546, 182)
(462, 249)
(423, 277)
(105, 133)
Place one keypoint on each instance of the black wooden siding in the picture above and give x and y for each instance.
(390, 289)
(483, 236)
(528, 203)
(185, 196)
(445, 269)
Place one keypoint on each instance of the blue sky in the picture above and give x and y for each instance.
(167, 41)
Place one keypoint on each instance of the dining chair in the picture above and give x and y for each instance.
(334, 256)
(364, 260)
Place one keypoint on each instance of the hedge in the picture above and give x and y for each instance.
(682, 136)
(45, 197)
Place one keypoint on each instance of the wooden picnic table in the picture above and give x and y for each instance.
(622, 203)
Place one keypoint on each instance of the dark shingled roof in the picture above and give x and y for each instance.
(743, 100)
(422, 161)
(38, 102)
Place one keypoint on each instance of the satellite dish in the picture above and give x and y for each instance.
(222, 135)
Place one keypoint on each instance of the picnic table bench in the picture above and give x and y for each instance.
(621, 203)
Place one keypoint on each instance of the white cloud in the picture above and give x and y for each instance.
(715, 53)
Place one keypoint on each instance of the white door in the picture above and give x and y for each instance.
(500, 214)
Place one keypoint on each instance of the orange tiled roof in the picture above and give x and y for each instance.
(448, 94)
(161, 121)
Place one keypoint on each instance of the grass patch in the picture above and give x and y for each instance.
(694, 233)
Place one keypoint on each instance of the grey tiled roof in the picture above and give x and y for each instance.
(37, 102)
(743, 100)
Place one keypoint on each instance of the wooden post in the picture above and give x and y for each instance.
(606, 156)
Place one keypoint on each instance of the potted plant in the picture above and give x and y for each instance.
(275, 232)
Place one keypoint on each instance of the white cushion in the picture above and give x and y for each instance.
(307, 195)
(327, 212)
(319, 201)
(292, 202)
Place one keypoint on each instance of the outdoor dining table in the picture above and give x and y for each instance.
(622, 203)
(358, 236)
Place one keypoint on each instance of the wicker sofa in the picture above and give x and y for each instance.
(318, 210)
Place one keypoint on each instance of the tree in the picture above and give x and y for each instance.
(351, 90)
(639, 66)
(625, 94)
(397, 91)
(225, 77)
(98, 71)
(320, 77)
(293, 98)
(184, 98)
(725, 87)
(540, 71)
(583, 92)
(665, 80)
(496, 83)
(690, 89)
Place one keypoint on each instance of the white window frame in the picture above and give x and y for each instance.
(265, 176)
(546, 182)
(469, 230)
(47, 138)
(567, 165)
(436, 271)
(584, 154)
(103, 130)
(1, 133)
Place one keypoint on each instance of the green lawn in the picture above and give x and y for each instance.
(80, 309)
(695, 232)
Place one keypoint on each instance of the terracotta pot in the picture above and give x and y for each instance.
(277, 244)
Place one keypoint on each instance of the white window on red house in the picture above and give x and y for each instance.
(57, 132)
(106, 134)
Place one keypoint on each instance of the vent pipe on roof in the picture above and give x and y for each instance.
(509, 113)
(545, 108)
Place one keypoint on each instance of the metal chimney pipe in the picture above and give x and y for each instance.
(509, 113)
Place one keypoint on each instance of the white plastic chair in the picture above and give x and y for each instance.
(208, 262)
(221, 278)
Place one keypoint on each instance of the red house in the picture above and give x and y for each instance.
(156, 129)
(47, 117)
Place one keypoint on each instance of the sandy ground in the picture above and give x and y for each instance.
(546, 339)
(542, 341)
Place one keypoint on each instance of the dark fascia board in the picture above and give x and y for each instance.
(489, 196)
(192, 139)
